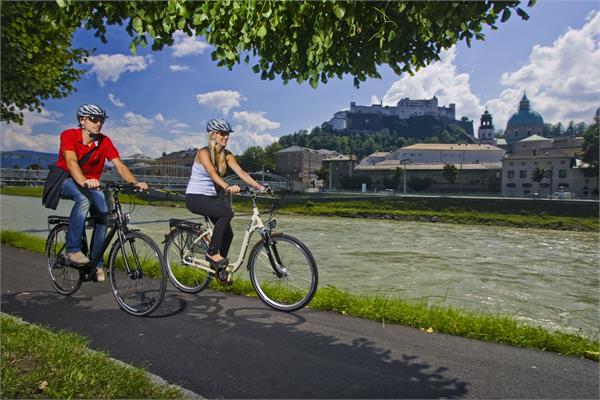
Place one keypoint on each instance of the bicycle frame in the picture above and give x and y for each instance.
(120, 227)
(255, 223)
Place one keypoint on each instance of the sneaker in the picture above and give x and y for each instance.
(78, 258)
(100, 277)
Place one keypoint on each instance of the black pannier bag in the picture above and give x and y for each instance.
(53, 186)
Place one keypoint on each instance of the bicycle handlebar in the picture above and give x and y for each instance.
(115, 186)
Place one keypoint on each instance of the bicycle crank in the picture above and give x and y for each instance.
(224, 275)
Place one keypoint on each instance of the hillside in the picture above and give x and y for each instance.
(392, 134)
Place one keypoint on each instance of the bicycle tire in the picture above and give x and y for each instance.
(186, 278)
(141, 291)
(65, 279)
(297, 283)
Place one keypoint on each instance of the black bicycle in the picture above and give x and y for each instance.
(136, 268)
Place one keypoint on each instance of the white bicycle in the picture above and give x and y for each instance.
(282, 269)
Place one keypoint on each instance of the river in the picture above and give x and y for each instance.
(544, 277)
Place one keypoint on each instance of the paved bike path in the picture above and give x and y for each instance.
(229, 346)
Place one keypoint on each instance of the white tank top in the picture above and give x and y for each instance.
(200, 182)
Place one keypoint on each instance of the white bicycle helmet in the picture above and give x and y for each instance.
(218, 125)
(91, 110)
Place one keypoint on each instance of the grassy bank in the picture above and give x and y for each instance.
(493, 328)
(424, 210)
(39, 363)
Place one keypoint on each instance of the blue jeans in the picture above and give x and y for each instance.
(85, 200)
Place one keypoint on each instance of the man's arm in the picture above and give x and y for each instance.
(126, 173)
(75, 170)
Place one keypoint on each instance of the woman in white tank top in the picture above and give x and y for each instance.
(208, 170)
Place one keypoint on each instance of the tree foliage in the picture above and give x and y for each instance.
(294, 40)
(591, 147)
(450, 172)
(38, 62)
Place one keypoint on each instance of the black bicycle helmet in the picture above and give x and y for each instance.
(218, 125)
(91, 110)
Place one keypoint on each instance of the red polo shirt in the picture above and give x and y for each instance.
(71, 140)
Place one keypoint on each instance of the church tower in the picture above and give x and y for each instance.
(485, 133)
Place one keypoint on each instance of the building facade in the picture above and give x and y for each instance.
(300, 163)
(178, 163)
(340, 167)
(478, 166)
(558, 158)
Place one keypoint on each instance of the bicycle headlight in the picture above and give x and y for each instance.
(272, 224)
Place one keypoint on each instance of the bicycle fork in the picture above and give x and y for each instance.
(273, 255)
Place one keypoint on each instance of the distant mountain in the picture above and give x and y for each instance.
(383, 134)
(25, 158)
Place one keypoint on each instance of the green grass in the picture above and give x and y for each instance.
(435, 318)
(384, 211)
(39, 363)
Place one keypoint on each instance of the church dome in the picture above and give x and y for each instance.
(525, 116)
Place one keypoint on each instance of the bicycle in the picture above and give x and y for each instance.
(136, 268)
(282, 269)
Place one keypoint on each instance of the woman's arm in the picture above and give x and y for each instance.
(203, 157)
(233, 164)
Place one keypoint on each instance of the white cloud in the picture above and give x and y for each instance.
(111, 67)
(249, 131)
(20, 137)
(151, 135)
(439, 79)
(115, 100)
(178, 68)
(562, 80)
(187, 45)
(220, 100)
(375, 100)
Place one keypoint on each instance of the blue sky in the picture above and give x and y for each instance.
(160, 101)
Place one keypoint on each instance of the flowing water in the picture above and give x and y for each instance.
(548, 278)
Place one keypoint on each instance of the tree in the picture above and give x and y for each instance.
(35, 167)
(537, 175)
(252, 159)
(294, 40)
(450, 172)
(323, 174)
(38, 62)
(591, 147)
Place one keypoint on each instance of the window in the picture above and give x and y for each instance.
(523, 173)
(510, 185)
(563, 161)
(535, 163)
(523, 163)
(562, 173)
(563, 185)
(510, 163)
(511, 174)
(526, 185)
(544, 185)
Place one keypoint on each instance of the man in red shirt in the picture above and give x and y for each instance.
(84, 178)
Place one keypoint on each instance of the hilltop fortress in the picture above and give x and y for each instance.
(373, 116)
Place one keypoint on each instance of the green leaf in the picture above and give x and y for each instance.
(262, 32)
(132, 47)
(339, 11)
(138, 25)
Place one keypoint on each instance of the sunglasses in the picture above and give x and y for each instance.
(223, 134)
(95, 120)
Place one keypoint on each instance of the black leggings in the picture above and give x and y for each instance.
(219, 214)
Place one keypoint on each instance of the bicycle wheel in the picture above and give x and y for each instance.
(182, 244)
(137, 274)
(289, 284)
(65, 279)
